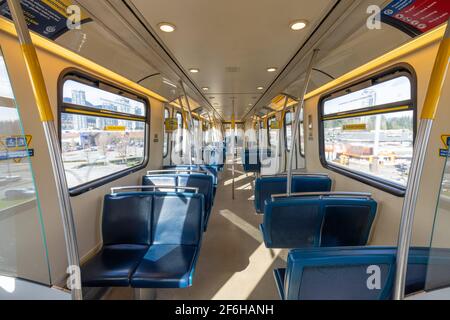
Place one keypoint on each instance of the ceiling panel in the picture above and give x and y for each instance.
(233, 42)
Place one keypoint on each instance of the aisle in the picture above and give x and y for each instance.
(234, 263)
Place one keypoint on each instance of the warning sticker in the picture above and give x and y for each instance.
(416, 16)
(45, 17)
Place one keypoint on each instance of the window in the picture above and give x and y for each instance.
(367, 132)
(288, 130)
(166, 134)
(103, 132)
(179, 133)
(273, 134)
(288, 121)
(180, 120)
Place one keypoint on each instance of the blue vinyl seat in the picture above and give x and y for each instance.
(150, 240)
(203, 182)
(316, 219)
(345, 273)
(265, 187)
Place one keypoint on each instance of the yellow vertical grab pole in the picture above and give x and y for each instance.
(45, 112)
(423, 136)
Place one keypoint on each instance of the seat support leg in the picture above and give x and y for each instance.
(145, 294)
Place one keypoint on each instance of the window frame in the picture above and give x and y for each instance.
(95, 82)
(300, 125)
(384, 75)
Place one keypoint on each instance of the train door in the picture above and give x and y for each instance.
(24, 265)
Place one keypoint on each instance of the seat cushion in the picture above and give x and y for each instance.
(166, 266)
(112, 266)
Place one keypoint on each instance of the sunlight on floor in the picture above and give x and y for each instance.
(242, 224)
(247, 280)
(247, 186)
(237, 179)
(260, 262)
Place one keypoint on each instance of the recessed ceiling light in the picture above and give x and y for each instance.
(250, 104)
(194, 70)
(260, 88)
(167, 27)
(271, 69)
(298, 25)
(205, 88)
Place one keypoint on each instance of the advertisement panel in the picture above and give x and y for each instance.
(416, 16)
(45, 17)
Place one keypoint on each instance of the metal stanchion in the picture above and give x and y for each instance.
(423, 137)
(46, 116)
(297, 120)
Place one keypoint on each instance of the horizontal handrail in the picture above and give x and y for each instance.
(114, 190)
(176, 171)
(296, 175)
(324, 194)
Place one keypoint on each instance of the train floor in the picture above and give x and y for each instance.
(234, 264)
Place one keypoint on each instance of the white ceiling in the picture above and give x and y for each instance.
(247, 35)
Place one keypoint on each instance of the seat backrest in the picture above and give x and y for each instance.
(211, 170)
(265, 187)
(347, 221)
(357, 273)
(178, 218)
(203, 182)
(160, 180)
(316, 220)
(126, 218)
(292, 222)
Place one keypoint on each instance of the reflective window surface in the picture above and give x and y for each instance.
(96, 145)
(395, 90)
(377, 143)
(83, 95)
(23, 251)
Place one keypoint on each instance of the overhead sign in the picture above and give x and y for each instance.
(274, 125)
(416, 16)
(115, 128)
(171, 124)
(45, 17)
(354, 127)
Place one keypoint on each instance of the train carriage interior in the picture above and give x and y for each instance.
(224, 150)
